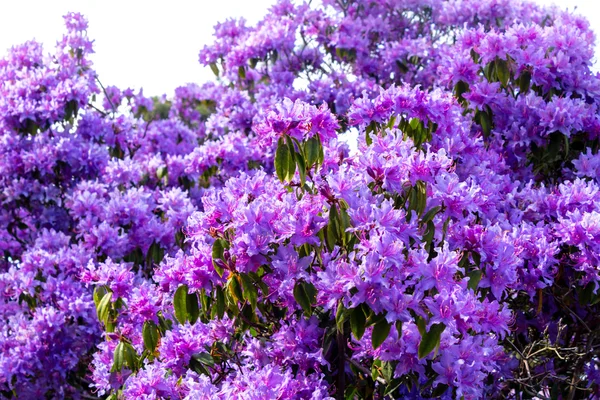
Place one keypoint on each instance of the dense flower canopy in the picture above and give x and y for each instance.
(234, 241)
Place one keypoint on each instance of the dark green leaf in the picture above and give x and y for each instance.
(381, 331)
(439, 390)
(483, 119)
(218, 249)
(399, 329)
(415, 123)
(392, 386)
(330, 237)
(311, 149)
(291, 168)
(430, 214)
(460, 89)
(214, 68)
(420, 322)
(476, 258)
(305, 295)
(250, 292)
(524, 81)
(99, 292)
(334, 222)
(180, 303)
(193, 310)
(321, 153)
(430, 340)
(301, 167)
(130, 356)
(387, 369)
(220, 309)
(118, 358)
(235, 289)
(151, 335)
(502, 71)
(585, 294)
(104, 307)
(282, 159)
(376, 369)
(474, 278)
(204, 358)
(358, 322)
(340, 316)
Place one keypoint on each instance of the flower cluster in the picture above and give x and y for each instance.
(231, 241)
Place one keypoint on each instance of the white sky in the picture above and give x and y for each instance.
(153, 44)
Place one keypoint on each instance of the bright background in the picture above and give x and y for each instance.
(154, 44)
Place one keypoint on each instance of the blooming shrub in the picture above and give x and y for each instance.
(231, 242)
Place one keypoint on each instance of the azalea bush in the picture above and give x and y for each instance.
(372, 200)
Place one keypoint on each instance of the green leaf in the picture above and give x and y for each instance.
(220, 308)
(282, 159)
(155, 254)
(430, 214)
(586, 294)
(524, 81)
(460, 89)
(502, 71)
(192, 308)
(399, 328)
(387, 370)
(311, 149)
(420, 322)
(358, 322)
(231, 303)
(118, 358)
(151, 335)
(205, 304)
(376, 369)
(368, 139)
(218, 249)
(334, 222)
(242, 72)
(483, 119)
(344, 225)
(381, 331)
(161, 172)
(291, 168)
(301, 167)
(330, 237)
(490, 71)
(305, 295)
(476, 258)
(321, 152)
(198, 367)
(130, 356)
(430, 340)
(180, 303)
(99, 292)
(474, 278)
(415, 123)
(421, 193)
(104, 307)
(204, 358)
(429, 233)
(340, 316)
(440, 389)
(214, 68)
(235, 288)
(392, 386)
(250, 292)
